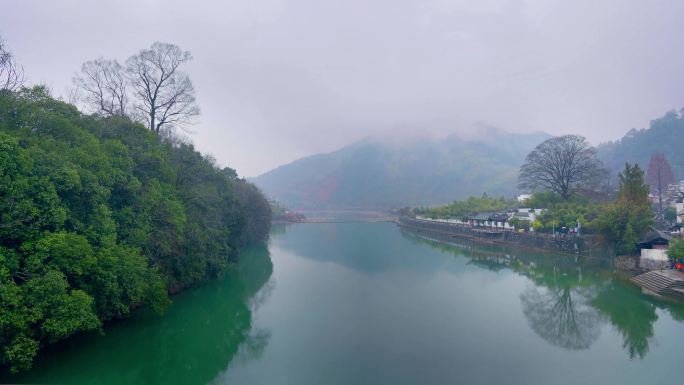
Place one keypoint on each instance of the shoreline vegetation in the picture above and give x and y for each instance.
(614, 221)
(100, 215)
(572, 195)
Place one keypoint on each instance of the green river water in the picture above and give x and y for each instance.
(367, 303)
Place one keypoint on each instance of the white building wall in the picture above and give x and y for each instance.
(679, 207)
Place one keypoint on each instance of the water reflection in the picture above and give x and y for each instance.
(632, 316)
(197, 338)
(351, 244)
(562, 316)
(570, 298)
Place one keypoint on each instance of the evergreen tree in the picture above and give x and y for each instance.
(624, 221)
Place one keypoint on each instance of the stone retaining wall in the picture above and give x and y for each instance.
(563, 244)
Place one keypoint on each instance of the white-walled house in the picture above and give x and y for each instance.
(679, 207)
(496, 220)
(528, 213)
(654, 247)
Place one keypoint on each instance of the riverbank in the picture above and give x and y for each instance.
(569, 244)
(191, 343)
(394, 303)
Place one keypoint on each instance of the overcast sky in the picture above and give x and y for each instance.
(280, 79)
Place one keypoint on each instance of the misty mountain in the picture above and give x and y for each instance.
(665, 135)
(376, 173)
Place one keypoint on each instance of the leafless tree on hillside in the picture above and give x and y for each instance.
(11, 73)
(102, 84)
(164, 96)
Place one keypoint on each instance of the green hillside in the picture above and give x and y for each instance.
(100, 216)
(376, 174)
(665, 135)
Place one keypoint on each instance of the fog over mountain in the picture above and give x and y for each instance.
(383, 172)
(277, 80)
(664, 135)
(390, 171)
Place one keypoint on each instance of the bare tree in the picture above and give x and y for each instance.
(103, 85)
(11, 73)
(659, 176)
(562, 164)
(164, 96)
(562, 316)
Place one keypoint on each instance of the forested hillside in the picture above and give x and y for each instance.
(100, 215)
(377, 174)
(665, 135)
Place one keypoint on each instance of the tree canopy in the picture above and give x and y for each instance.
(99, 216)
(561, 164)
(461, 209)
(676, 250)
(624, 221)
(150, 88)
(638, 145)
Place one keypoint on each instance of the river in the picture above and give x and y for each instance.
(367, 303)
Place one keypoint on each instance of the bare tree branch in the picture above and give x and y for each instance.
(562, 164)
(11, 73)
(104, 87)
(165, 97)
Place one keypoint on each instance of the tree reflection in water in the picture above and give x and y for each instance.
(200, 334)
(567, 306)
(254, 344)
(562, 316)
(630, 314)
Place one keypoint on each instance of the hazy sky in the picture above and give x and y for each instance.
(280, 79)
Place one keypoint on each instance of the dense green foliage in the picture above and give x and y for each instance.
(620, 222)
(625, 220)
(676, 250)
(637, 146)
(559, 213)
(99, 216)
(461, 209)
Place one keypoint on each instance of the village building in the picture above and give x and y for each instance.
(654, 247)
(491, 219)
(679, 207)
(498, 220)
(527, 214)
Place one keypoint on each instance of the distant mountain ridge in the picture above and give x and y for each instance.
(374, 173)
(664, 135)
